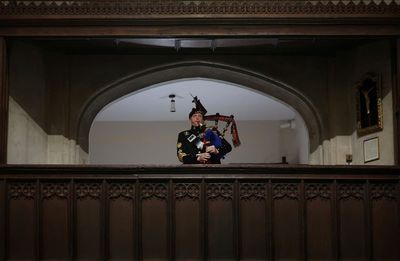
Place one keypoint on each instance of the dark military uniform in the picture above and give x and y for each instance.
(190, 144)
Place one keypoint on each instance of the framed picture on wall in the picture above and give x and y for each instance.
(371, 149)
(369, 105)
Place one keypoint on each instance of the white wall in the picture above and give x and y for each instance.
(349, 67)
(376, 57)
(155, 143)
(29, 144)
(386, 144)
(302, 140)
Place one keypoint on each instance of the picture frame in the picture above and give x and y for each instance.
(369, 105)
(371, 149)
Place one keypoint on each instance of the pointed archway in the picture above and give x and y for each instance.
(192, 69)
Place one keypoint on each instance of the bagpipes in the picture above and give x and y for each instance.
(211, 135)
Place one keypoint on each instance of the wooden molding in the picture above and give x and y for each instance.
(179, 8)
(3, 101)
(247, 211)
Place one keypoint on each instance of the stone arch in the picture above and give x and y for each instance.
(201, 69)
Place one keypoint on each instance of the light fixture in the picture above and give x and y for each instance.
(172, 108)
(288, 124)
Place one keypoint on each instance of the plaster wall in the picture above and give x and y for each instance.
(376, 57)
(27, 79)
(155, 143)
(349, 67)
(28, 143)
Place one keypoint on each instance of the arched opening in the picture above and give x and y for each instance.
(215, 71)
(139, 128)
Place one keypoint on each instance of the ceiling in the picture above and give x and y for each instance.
(153, 103)
(202, 45)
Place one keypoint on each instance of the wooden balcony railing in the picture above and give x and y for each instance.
(238, 212)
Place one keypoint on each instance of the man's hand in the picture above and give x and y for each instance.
(212, 149)
(203, 157)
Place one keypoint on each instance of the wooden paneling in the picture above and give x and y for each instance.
(88, 221)
(396, 97)
(3, 209)
(187, 223)
(166, 30)
(319, 229)
(229, 17)
(253, 225)
(121, 221)
(220, 221)
(3, 101)
(385, 219)
(22, 230)
(154, 221)
(286, 221)
(62, 216)
(54, 222)
(353, 222)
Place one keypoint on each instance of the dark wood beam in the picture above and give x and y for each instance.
(396, 97)
(183, 30)
(3, 101)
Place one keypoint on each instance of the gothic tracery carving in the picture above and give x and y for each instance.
(154, 190)
(282, 190)
(121, 190)
(318, 190)
(55, 190)
(22, 190)
(187, 190)
(383, 191)
(181, 7)
(220, 190)
(250, 191)
(88, 190)
(347, 191)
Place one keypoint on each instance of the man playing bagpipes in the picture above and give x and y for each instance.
(202, 145)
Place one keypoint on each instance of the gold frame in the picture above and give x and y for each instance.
(369, 105)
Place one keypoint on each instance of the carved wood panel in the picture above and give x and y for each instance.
(154, 224)
(252, 191)
(192, 8)
(22, 191)
(352, 220)
(351, 191)
(253, 221)
(3, 210)
(55, 190)
(88, 191)
(187, 190)
(54, 221)
(319, 217)
(220, 221)
(197, 219)
(121, 221)
(384, 218)
(89, 227)
(217, 191)
(121, 190)
(154, 190)
(22, 227)
(286, 220)
(188, 216)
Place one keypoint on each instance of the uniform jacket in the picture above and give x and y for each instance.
(190, 143)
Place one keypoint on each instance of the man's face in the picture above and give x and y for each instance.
(196, 119)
